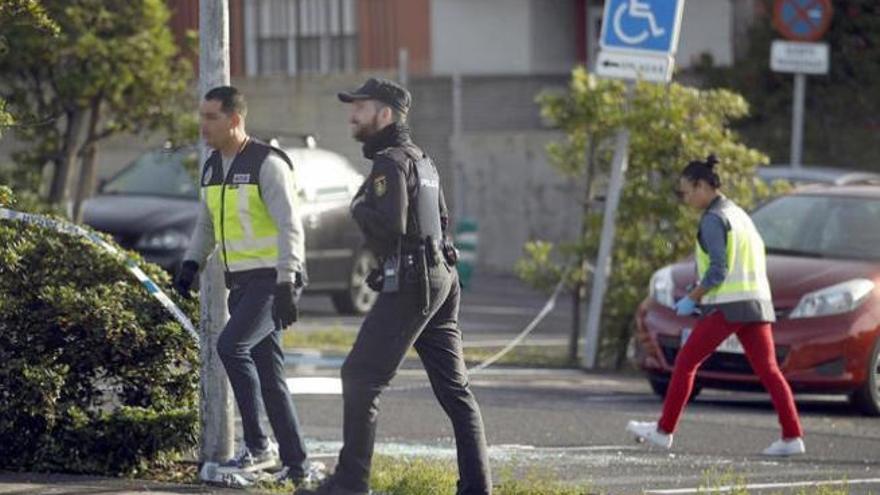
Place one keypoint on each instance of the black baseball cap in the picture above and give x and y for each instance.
(388, 92)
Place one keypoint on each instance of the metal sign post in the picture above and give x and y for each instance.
(797, 120)
(638, 40)
(801, 21)
(606, 244)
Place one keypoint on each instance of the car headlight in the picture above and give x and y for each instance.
(833, 300)
(163, 240)
(662, 286)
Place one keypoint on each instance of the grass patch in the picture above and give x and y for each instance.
(334, 339)
(531, 356)
(412, 476)
(422, 476)
(337, 340)
(418, 476)
(733, 483)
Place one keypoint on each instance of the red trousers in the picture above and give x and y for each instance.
(757, 341)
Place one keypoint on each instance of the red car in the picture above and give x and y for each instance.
(823, 261)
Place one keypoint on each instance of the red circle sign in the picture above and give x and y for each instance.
(802, 20)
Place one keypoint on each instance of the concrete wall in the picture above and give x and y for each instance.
(552, 36)
(480, 36)
(287, 106)
(707, 26)
(514, 194)
(502, 36)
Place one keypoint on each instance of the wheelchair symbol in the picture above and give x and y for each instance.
(636, 10)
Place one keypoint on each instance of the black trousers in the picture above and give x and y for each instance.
(394, 324)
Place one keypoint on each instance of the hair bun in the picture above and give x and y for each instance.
(711, 161)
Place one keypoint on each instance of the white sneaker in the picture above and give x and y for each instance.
(246, 461)
(781, 447)
(647, 430)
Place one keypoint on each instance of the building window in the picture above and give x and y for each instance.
(304, 36)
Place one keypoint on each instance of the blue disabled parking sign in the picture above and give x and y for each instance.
(642, 25)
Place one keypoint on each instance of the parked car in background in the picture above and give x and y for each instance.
(152, 204)
(823, 262)
(809, 174)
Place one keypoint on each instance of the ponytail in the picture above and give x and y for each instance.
(697, 170)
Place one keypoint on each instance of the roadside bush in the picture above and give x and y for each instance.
(95, 376)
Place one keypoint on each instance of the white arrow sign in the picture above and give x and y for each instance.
(626, 65)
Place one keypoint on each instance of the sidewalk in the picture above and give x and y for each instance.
(59, 484)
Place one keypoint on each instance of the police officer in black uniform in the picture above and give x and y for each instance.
(402, 213)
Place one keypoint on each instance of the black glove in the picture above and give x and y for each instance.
(375, 279)
(284, 304)
(185, 277)
(450, 253)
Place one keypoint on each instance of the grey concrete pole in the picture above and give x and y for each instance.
(459, 201)
(403, 66)
(217, 426)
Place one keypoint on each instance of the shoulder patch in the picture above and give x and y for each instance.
(380, 185)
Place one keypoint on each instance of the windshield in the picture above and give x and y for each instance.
(821, 226)
(156, 173)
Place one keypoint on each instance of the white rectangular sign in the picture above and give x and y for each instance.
(799, 57)
(626, 65)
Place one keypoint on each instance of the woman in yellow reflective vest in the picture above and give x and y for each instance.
(734, 296)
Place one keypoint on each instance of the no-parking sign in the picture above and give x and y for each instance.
(802, 20)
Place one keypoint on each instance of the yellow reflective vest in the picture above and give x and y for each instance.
(243, 227)
(746, 278)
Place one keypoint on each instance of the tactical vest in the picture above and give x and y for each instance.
(423, 217)
(746, 278)
(243, 227)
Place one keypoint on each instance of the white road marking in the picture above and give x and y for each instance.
(498, 310)
(543, 342)
(314, 385)
(577, 448)
(766, 486)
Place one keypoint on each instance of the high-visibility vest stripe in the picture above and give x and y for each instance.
(243, 225)
(746, 277)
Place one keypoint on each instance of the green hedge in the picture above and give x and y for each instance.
(95, 376)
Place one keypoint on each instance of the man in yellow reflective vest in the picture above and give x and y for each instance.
(249, 214)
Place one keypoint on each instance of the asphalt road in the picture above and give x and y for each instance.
(568, 425)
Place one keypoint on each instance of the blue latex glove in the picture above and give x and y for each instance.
(685, 306)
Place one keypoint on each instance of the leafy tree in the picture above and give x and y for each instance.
(5, 118)
(13, 15)
(669, 126)
(110, 67)
(841, 123)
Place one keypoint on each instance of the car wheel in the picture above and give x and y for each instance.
(358, 298)
(867, 397)
(661, 385)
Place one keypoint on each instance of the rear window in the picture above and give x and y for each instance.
(157, 173)
(821, 226)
